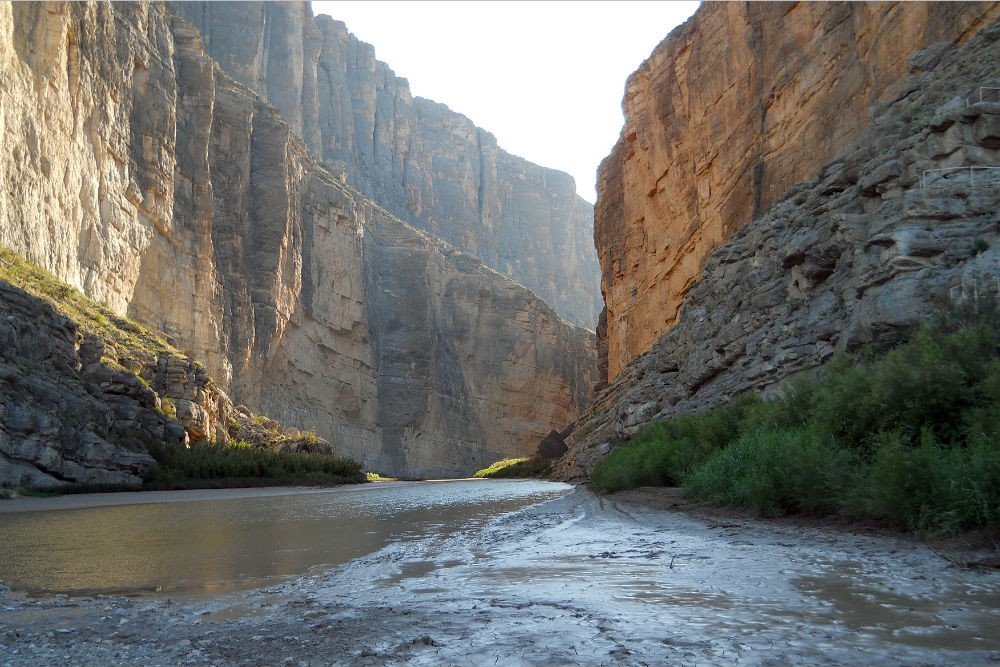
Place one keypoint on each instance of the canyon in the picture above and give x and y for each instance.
(414, 157)
(810, 225)
(137, 170)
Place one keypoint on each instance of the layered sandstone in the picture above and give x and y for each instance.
(901, 227)
(133, 167)
(469, 361)
(731, 110)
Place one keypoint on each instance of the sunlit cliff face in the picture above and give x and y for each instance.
(738, 105)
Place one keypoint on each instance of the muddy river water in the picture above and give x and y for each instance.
(469, 573)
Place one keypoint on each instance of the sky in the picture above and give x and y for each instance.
(546, 78)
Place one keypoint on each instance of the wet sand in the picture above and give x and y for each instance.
(579, 580)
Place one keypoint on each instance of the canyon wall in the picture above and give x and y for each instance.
(416, 158)
(133, 167)
(732, 109)
(902, 226)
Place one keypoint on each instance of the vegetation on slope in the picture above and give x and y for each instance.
(908, 437)
(130, 338)
(522, 467)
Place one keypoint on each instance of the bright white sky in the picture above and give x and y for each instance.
(546, 78)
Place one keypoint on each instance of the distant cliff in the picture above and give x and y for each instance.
(134, 167)
(416, 158)
(732, 109)
(902, 225)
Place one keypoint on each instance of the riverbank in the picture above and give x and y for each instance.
(581, 580)
(976, 549)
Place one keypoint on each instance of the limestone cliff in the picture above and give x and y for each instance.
(897, 227)
(133, 167)
(731, 110)
(416, 158)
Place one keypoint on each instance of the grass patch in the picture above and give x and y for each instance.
(516, 468)
(240, 464)
(908, 437)
(376, 477)
(94, 318)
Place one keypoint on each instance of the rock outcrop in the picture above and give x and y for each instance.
(736, 106)
(416, 158)
(133, 167)
(84, 394)
(896, 228)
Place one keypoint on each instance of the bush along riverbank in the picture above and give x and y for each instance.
(258, 452)
(240, 464)
(908, 438)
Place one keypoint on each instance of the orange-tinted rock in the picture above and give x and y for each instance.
(733, 108)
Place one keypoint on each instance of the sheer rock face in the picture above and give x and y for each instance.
(465, 356)
(731, 110)
(890, 231)
(418, 159)
(133, 167)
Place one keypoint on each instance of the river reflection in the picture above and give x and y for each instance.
(239, 539)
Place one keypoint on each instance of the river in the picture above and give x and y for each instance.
(477, 573)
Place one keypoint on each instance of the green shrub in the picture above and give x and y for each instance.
(662, 453)
(930, 487)
(243, 463)
(908, 437)
(776, 471)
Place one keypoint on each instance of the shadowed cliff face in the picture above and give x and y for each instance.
(893, 230)
(416, 158)
(134, 168)
(732, 109)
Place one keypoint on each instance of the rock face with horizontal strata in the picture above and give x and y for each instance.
(732, 109)
(891, 231)
(134, 168)
(416, 158)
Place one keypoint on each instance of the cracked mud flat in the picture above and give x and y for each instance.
(577, 580)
